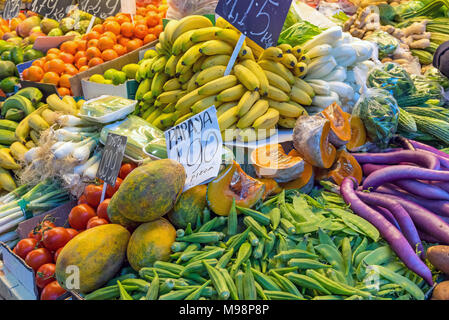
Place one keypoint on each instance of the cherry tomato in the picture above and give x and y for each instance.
(57, 254)
(126, 169)
(82, 199)
(38, 257)
(36, 233)
(102, 210)
(110, 190)
(55, 238)
(95, 222)
(52, 291)
(93, 194)
(25, 246)
(45, 274)
(80, 215)
(72, 232)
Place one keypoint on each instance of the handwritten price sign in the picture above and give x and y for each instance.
(259, 20)
(54, 9)
(100, 8)
(11, 9)
(111, 159)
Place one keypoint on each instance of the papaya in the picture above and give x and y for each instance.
(97, 253)
(116, 217)
(189, 206)
(149, 191)
(150, 242)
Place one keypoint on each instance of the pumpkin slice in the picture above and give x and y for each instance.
(272, 188)
(311, 140)
(340, 126)
(305, 182)
(233, 183)
(345, 166)
(358, 133)
(270, 161)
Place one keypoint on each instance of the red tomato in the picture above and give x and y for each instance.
(45, 274)
(111, 190)
(72, 232)
(102, 210)
(38, 257)
(82, 199)
(57, 254)
(95, 222)
(25, 246)
(93, 195)
(55, 238)
(52, 291)
(80, 215)
(126, 169)
(36, 233)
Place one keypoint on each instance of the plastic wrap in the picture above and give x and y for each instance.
(178, 9)
(107, 109)
(393, 78)
(386, 43)
(433, 74)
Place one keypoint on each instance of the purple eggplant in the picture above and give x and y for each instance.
(423, 159)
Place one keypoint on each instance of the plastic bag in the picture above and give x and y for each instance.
(427, 86)
(386, 43)
(433, 74)
(379, 112)
(178, 9)
(393, 78)
(299, 33)
(408, 7)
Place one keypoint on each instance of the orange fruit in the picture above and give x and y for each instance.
(108, 55)
(140, 31)
(67, 57)
(50, 77)
(93, 52)
(81, 62)
(70, 69)
(98, 28)
(122, 18)
(149, 38)
(105, 43)
(151, 21)
(126, 29)
(93, 35)
(133, 45)
(54, 50)
(82, 45)
(121, 50)
(157, 30)
(51, 56)
(64, 80)
(38, 63)
(124, 41)
(64, 91)
(35, 73)
(95, 62)
(83, 68)
(112, 26)
(79, 54)
(69, 47)
(92, 43)
(111, 35)
(56, 65)
(25, 75)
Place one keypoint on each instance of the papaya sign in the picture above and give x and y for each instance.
(100, 8)
(53, 9)
(111, 159)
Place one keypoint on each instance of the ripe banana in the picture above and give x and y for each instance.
(170, 29)
(49, 116)
(272, 53)
(189, 23)
(185, 77)
(170, 66)
(277, 94)
(288, 123)
(157, 85)
(268, 120)
(181, 68)
(297, 52)
(144, 69)
(257, 110)
(7, 161)
(277, 81)
(191, 85)
(304, 58)
(217, 60)
(192, 55)
(147, 112)
(231, 94)
(213, 47)
(218, 85)
(181, 42)
(300, 69)
(300, 96)
(205, 103)
(247, 101)
(227, 119)
(225, 107)
(247, 77)
(169, 96)
(260, 74)
(210, 74)
(229, 35)
(156, 113)
(279, 69)
(166, 46)
(183, 118)
(159, 65)
(287, 109)
(169, 108)
(164, 120)
(148, 97)
(205, 34)
(18, 151)
(188, 100)
(197, 65)
(304, 86)
(289, 60)
(172, 84)
(285, 47)
(36, 122)
(246, 53)
(230, 134)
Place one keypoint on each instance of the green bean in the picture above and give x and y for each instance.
(332, 255)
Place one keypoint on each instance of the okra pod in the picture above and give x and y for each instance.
(166, 286)
(124, 295)
(232, 219)
(230, 284)
(218, 281)
(255, 227)
(206, 215)
(202, 237)
(239, 240)
(186, 256)
(161, 272)
(265, 281)
(256, 215)
(171, 267)
(269, 244)
(153, 290)
(224, 260)
(208, 255)
(306, 282)
(335, 287)
(242, 255)
(295, 253)
(287, 285)
(180, 233)
(176, 294)
(258, 251)
(284, 270)
(288, 226)
(252, 238)
(208, 226)
(275, 218)
(197, 267)
(260, 292)
(307, 264)
(249, 285)
(280, 295)
(179, 246)
(239, 284)
(195, 295)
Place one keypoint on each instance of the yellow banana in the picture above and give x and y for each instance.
(289, 60)
(164, 120)
(222, 23)
(277, 81)
(287, 109)
(217, 60)
(304, 58)
(178, 44)
(172, 84)
(197, 65)
(300, 69)
(169, 96)
(170, 66)
(188, 100)
(228, 118)
(268, 120)
(191, 85)
(247, 77)
(156, 113)
(69, 100)
(183, 118)
(213, 47)
(247, 101)
(246, 53)
(189, 23)
(56, 104)
(260, 74)
(205, 34)
(272, 53)
(277, 94)
(159, 65)
(164, 43)
(279, 69)
(205, 103)
(304, 86)
(169, 108)
(185, 77)
(225, 107)
(229, 35)
(6, 180)
(170, 29)
(7, 161)
(37, 123)
(218, 85)
(158, 82)
(257, 110)
(297, 52)
(286, 122)
(18, 151)
(49, 116)
(285, 47)
(300, 96)
(30, 144)
(191, 56)
(231, 94)
(210, 74)
(230, 134)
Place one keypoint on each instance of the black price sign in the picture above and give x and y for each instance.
(11, 9)
(259, 20)
(100, 8)
(54, 9)
(112, 157)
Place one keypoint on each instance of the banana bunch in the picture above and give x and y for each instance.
(185, 75)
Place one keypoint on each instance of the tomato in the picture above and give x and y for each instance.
(102, 210)
(55, 238)
(93, 195)
(82, 199)
(57, 254)
(72, 232)
(80, 215)
(52, 291)
(126, 169)
(36, 233)
(45, 274)
(25, 246)
(95, 222)
(110, 190)
(38, 257)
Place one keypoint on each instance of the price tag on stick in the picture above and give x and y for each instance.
(11, 9)
(54, 9)
(100, 8)
(197, 144)
(111, 160)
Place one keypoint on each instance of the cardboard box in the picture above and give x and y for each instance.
(132, 57)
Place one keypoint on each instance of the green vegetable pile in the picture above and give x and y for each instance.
(295, 247)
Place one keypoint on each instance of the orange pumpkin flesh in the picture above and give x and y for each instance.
(358, 133)
(271, 187)
(345, 166)
(328, 151)
(233, 183)
(302, 180)
(339, 123)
